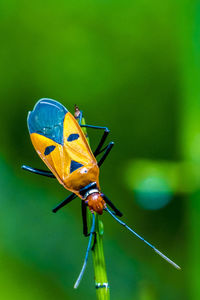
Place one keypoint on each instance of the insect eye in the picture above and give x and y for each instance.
(73, 137)
(49, 149)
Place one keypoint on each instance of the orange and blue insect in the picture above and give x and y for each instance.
(58, 139)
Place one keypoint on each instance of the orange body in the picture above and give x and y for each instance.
(60, 142)
(58, 161)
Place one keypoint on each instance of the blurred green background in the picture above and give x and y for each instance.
(131, 66)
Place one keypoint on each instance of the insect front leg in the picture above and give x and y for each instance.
(107, 150)
(103, 138)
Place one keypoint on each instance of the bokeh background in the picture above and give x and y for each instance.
(131, 66)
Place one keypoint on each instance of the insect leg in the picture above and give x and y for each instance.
(107, 151)
(38, 171)
(107, 200)
(85, 227)
(64, 202)
(87, 253)
(102, 141)
(84, 218)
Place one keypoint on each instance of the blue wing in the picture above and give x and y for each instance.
(47, 119)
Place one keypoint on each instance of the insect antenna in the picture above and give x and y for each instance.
(87, 253)
(141, 238)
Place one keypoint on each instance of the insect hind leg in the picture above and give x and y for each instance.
(87, 253)
(107, 200)
(85, 226)
(84, 218)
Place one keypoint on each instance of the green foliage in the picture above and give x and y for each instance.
(131, 66)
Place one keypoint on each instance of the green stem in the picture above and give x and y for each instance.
(100, 274)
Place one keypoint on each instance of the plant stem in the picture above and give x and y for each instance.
(99, 261)
(101, 281)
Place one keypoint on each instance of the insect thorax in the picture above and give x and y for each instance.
(88, 190)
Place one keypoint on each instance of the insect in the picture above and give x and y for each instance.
(59, 140)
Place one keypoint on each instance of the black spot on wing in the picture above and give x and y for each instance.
(74, 166)
(73, 137)
(49, 149)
